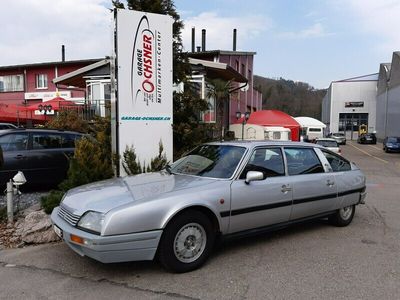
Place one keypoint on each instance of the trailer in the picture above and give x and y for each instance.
(258, 132)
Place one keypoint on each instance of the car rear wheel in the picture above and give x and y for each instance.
(343, 216)
(186, 242)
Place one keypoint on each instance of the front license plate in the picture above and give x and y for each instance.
(58, 231)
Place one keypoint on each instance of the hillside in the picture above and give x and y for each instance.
(293, 98)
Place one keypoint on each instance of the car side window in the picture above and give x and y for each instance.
(68, 140)
(46, 140)
(303, 161)
(14, 142)
(337, 163)
(269, 161)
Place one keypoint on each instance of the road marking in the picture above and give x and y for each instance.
(365, 152)
(375, 147)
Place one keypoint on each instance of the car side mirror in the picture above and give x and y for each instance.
(253, 176)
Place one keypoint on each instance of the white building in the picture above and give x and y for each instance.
(350, 103)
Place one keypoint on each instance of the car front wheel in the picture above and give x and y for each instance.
(343, 216)
(186, 242)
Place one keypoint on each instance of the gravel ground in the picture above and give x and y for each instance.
(24, 200)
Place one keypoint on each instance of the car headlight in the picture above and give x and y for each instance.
(92, 221)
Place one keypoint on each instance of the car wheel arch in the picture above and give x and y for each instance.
(203, 209)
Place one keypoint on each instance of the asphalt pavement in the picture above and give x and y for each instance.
(308, 261)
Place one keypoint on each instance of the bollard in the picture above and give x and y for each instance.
(10, 204)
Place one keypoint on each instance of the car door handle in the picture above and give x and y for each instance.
(285, 188)
(19, 156)
(330, 183)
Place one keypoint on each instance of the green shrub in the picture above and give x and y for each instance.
(51, 200)
(160, 161)
(129, 161)
(68, 120)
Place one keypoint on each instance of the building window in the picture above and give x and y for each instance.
(41, 81)
(12, 83)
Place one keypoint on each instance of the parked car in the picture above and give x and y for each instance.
(339, 137)
(391, 143)
(366, 138)
(7, 126)
(42, 155)
(222, 190)
(329, 143)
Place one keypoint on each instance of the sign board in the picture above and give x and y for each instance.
(144, 84)
(46, 96)
(42, 112)
(354, 104)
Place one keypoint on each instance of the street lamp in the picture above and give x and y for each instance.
(244, 121)
(45, 109)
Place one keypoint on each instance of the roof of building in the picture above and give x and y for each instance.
(213, 70)
(45, 64)
(271, 118)
(76, 78)
(218, 70)
(368, 77)
(222, 52)
(309, 122)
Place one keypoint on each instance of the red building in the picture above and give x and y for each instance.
(23, 85)
(246, 98)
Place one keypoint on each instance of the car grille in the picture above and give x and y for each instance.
(68, 216)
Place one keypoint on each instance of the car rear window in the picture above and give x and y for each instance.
(337, 163)
(44, 140)
(14, 142)
(327, 143)
(302, 161)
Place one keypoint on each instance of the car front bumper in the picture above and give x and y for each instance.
(109, 249)
(393, 149)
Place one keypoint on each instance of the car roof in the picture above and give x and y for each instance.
(5, 131)
(326, 139)
(252, 144)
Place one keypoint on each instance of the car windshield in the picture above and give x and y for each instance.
(393, 140)
(327, 143)
(217, 161)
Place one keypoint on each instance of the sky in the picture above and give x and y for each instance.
(314, 41)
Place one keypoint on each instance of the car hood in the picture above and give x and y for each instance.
(105, 195)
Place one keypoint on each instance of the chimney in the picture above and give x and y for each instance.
(198, 48)
(203, 40)
(234, 39)
(193, 38)
(62, 53)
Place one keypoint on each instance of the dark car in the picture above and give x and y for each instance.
(7, 126)
(391, 143)
(339, 137)
(42, 155)
(367, 138)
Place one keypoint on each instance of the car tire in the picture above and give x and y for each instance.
(343, 216)
(186, 242)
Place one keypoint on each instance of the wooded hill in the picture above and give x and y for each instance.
(294, 98)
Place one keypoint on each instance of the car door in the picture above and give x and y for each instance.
(314, 188)
(264, 202)
(47, 158)
(15, 154)
(348, 184)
